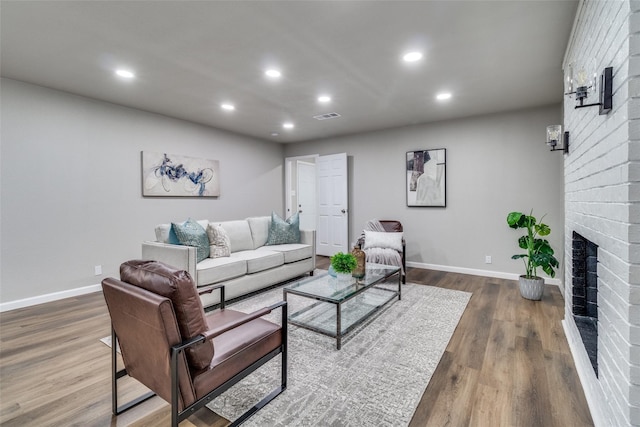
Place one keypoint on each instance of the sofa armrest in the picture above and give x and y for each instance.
(308, 237)
(182, 257)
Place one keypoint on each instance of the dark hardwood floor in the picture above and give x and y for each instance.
(507, 364)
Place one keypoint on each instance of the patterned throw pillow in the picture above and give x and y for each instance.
(190, 233)
(220, 241)
(281, 231)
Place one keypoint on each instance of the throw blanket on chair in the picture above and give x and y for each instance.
(380, 255)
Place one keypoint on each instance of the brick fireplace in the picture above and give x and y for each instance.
(584, 301)
(602, 205)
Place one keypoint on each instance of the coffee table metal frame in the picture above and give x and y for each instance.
(376, 274)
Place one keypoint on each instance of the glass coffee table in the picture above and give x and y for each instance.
(340, 307)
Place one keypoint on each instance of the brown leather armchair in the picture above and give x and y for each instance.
(170, 345)
(392, 226)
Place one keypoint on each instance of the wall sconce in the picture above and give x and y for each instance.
(555, 136)
(584, 83)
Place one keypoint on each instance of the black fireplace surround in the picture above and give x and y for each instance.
(585, 294)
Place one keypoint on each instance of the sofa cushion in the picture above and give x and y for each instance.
(260, 260)
(259, 230)
(292, 252)
(190, 233)
(165, 234)
(214, 270)
(178, 286)
(239, 233)
(220, 241)
(281, 231)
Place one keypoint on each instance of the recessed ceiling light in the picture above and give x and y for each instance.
(272, 72)
(412, 56)
(324, 99)
(125, 73)
(443, 96)
(228, 107)
(287, 125)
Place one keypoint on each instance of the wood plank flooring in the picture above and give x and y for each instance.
(508, 364)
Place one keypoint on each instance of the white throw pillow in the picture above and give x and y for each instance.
(379, 239)
(220, 242)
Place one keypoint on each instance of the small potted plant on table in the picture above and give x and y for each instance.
(343, 264)
(539, 253)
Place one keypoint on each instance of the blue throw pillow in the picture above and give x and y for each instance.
(173, 239)
(190, 233)
(282, 232)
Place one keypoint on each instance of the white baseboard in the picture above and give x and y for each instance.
(27, 302)
(476, 272)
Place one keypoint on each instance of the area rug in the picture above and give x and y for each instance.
(376, 379)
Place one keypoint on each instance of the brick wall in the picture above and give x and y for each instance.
(602, 203)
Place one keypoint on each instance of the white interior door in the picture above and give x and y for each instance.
(306, 190)
(332, 233)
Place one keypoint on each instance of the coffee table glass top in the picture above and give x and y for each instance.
(338, 307)
(330, 289)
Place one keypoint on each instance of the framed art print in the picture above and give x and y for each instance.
(427, 178)
(179, 176)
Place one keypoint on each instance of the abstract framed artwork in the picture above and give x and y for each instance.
(171, 175)
(427, 178)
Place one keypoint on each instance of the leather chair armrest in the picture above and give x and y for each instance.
(212, 333)
(211, 288)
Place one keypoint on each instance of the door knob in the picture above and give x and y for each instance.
(343, 211)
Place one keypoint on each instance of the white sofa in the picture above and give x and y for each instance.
(251, 266)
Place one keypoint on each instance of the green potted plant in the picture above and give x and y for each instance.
(343, 264)
(538, 253)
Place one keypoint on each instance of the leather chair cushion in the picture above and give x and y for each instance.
(391, 225)
(178, 286)
(235, 349)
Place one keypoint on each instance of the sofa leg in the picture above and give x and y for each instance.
(311, 273)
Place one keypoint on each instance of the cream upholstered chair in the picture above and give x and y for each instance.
(391, 226)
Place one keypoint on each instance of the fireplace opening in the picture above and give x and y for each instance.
(585, 294)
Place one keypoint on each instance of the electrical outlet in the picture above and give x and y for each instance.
(487, 259)
(98, 270)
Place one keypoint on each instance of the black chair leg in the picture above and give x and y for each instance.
(115, 376)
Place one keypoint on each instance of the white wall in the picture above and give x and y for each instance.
(602, 182)
(71, 185)
(495, 164)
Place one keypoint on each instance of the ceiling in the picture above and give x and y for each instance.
(189, 57)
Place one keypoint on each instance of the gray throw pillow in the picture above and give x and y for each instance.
(282, 232)
(190, 233)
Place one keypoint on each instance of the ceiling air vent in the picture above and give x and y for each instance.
(327, 116)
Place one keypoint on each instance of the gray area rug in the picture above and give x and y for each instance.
(376, 379)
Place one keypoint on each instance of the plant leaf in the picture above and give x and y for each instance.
(513, 219)
(543, 229)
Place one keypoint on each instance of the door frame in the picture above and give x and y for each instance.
(288, 164)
